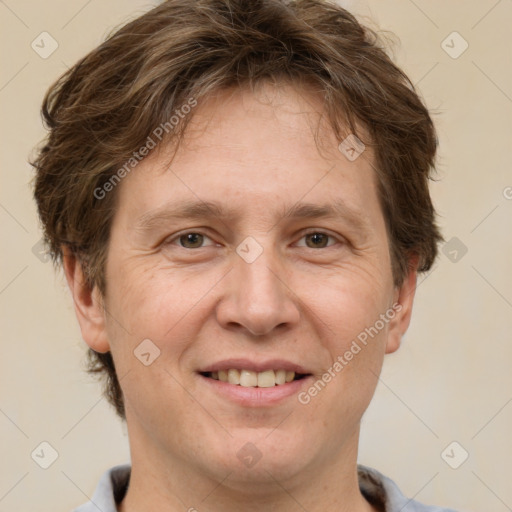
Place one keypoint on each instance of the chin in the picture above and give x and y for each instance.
(262, 456)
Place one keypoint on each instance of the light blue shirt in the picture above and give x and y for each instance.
(375, 487)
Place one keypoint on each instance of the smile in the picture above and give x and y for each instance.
(253, 379)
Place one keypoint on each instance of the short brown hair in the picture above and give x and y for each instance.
(103, 109)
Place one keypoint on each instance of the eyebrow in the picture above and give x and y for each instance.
(197, 209)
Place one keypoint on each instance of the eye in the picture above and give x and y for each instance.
(317, 240)
(190, 240)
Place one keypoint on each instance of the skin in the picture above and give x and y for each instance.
(303, 299)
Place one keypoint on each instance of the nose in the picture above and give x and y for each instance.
(258, 298)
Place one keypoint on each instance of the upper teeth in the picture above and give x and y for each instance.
(248, 378)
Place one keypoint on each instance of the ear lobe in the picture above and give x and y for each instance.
(88, 304)
(404, 298)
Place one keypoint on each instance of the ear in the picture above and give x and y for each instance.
(403, 301)
(88, 304)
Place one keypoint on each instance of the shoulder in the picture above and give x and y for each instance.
(110, 490)
(378, 488)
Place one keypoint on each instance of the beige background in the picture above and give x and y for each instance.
(451, 380)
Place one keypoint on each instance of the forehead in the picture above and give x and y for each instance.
(253, 153)
(278, 121)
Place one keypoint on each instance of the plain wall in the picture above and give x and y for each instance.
(451, 379)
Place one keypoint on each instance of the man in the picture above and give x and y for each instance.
(238, 193)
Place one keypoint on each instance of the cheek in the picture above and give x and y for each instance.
(347, 300)
(347, 382)
(348, 308)
(164, 305)
(147, 296)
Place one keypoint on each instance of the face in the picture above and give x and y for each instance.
(256, 255)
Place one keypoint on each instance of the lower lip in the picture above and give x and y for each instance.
(256, 397)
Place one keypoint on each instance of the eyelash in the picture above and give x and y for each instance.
(310, 232)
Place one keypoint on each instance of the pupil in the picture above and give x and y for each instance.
(194, 239)
(318, 238)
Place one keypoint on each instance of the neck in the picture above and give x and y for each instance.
(158, 482)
